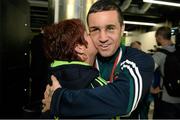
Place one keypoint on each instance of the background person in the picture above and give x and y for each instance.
(38, 68)
(136, 44)
(166, 106)
(143, 109)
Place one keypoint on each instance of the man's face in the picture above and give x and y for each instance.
(105, 31)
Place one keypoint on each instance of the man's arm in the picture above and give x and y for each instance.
(118, 98)
(49, 92)
(100, 102)
(158, 58)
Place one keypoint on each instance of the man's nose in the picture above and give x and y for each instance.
(103, 37)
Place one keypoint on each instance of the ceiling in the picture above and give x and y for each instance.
(145, 12)
(134, 10)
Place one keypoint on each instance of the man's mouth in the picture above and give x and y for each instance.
(104, 46)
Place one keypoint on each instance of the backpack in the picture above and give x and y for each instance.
(171, 79)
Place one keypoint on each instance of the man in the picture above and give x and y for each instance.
(128, 71)
(167, 106)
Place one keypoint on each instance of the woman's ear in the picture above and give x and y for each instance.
(80, 49)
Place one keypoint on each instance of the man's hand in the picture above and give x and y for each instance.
(155, 90)
(55, 83)
(49, 92)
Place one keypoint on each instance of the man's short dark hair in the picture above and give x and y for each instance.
(105, 5)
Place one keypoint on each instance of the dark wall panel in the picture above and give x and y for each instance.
(15, 58)
(1, 53)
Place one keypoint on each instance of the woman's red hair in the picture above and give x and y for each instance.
(61, 39)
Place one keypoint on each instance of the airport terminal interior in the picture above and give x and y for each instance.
(21, 20)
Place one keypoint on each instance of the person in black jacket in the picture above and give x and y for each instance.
(128, 71)
(166, 105)
(72, 62)
(38, 73)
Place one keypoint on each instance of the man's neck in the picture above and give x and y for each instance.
(107, 65)
(108, 59)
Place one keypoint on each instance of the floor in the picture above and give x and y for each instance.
(151, 109)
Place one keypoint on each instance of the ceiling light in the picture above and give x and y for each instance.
(162, 3)
(126, 32)
(140, 23)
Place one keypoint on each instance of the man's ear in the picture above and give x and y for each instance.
(80, 49)
(122, 29)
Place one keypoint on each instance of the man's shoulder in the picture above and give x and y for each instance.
(140, 58)
(132, 53)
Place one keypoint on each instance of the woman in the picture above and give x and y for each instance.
(72, 53)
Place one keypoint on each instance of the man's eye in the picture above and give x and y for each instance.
(110, 28)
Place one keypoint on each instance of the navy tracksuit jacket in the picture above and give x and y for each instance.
(119, 98)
